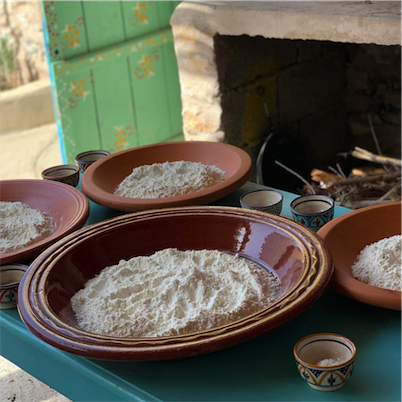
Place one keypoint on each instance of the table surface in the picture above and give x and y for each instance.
(262, 369)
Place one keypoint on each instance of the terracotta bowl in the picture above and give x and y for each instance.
(347, 235)
(295, 254)
(67, 207)
(101, 179)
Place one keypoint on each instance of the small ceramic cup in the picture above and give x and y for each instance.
(10, 278)
(312, 210)
(87, 158)
(325, 361)
(264, 200)
(67, 174)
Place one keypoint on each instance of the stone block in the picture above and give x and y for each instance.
(26, 107)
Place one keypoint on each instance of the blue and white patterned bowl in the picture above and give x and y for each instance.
(10, 278)
(325, 361)
(263, 200)
(312, 210)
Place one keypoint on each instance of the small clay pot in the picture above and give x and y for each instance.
(67, 174)
(10, 278)
(325, 361)
(312, 210)
(263, 200)
(87, 158)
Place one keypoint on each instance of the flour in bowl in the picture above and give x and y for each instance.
(173, 292)
(21, 226)
(379, 264)
(169, 179)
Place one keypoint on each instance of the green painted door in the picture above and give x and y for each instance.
(114, 73)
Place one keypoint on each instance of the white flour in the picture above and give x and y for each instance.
(173, 292)
(379, 264)
(331, 362)
(169, 179)
(21, 226)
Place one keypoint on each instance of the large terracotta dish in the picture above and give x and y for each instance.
(296, 255)
(101, 179)
(67, 207)
(347, 235)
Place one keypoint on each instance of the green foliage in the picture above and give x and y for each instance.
(8, 64)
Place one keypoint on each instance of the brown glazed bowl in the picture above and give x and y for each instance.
(347, 235)
(68, 208)
(294, 253)
(101, 179)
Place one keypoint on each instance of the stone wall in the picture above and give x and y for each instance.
(326, 92)
(22, 52)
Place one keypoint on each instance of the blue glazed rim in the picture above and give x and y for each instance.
(12, 267)
(256, 191)
(326, 198)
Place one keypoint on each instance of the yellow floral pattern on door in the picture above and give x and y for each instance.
(120, 138)
(79, 90)
(147, 64)
(140, 15)
(71, 34)
(61, 39)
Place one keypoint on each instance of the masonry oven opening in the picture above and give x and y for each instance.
(316, 100)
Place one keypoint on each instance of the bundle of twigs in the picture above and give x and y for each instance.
(363, 187)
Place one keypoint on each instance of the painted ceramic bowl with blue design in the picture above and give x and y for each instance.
(10, 278)
(67, 174)
(263, 200)
(312, 210)
(325, 361)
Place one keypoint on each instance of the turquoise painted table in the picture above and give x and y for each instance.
(259, 370)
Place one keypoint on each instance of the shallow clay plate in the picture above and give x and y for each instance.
(67, 207)
(101, 179)
(347, 235)
(295, 254)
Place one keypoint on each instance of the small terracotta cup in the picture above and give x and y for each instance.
(10, 278)
(67, 174)
(312, 210)
(87, 158)
(264, 200)
(325, 361)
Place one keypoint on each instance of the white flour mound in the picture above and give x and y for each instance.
(21, 226)
(169, 179)
(173, 292)
(331, 362)
(379, 264)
